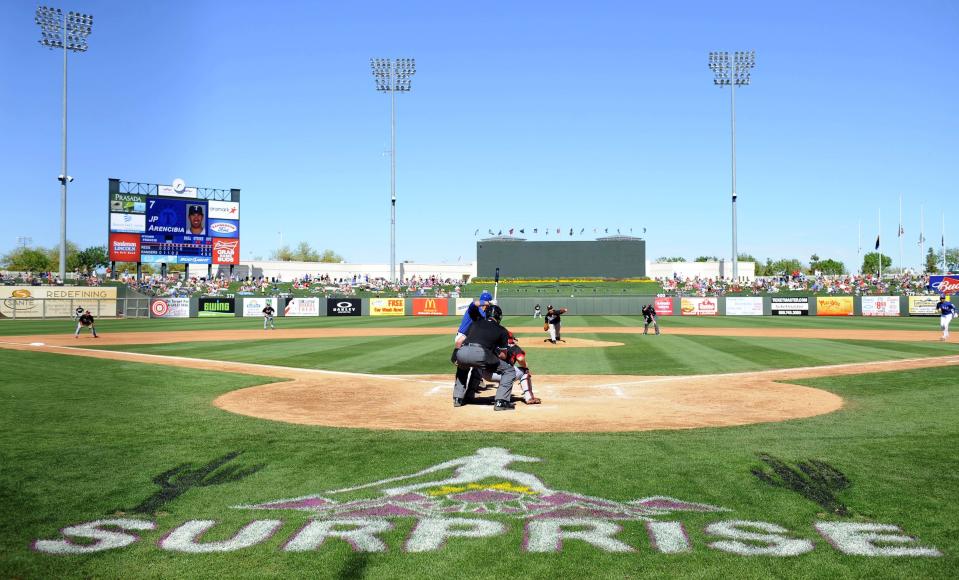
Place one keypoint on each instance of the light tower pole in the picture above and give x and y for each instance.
(69, 33)
(732, 73)
(393, 77)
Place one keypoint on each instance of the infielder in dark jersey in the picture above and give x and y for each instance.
(649, 317)
(268, 313)
(86, 320)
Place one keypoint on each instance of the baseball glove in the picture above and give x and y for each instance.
(545, 327)
(534, 401)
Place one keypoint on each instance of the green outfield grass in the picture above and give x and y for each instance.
(83, 438)
(639, 355)
(26, 327)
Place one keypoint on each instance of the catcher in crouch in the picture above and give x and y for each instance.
(516, 356)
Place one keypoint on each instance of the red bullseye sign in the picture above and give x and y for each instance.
(159, 308)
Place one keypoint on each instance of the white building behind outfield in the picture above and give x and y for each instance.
(287, 271)
(714, 270)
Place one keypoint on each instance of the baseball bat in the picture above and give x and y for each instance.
(495, 285)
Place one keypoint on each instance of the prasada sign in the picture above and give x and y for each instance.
(462, 504)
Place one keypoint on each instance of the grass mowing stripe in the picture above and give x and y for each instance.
(84, 437)
(640, 355)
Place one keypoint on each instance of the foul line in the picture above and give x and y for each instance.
(947, 358)
(207, 360)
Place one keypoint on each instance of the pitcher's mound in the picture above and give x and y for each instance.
(538, 342)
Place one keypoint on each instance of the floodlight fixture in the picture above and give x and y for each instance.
(732, 72)
(67, 32)
(393, 77)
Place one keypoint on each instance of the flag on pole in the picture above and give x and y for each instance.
(511, 231)
(491, 232)
(500, 233)
(581, 231)
(476, 233)
(877, 242)
(901, 231)
(522, 230)
(535, 230)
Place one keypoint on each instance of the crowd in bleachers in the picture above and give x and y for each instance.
(859, 284)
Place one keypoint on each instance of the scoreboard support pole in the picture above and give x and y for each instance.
(139, 271)
(186, 271)
(209, 271)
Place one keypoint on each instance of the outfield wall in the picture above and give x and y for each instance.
(249, 306)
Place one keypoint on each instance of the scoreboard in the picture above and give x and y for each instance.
(173, 227)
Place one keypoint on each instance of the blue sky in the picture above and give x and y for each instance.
(522, 114)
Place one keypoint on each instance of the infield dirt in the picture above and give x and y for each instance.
(581, 403)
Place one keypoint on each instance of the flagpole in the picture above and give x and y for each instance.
(879, 244)
(943, 241)
(900, 235)
(922, 239)
(859, 248)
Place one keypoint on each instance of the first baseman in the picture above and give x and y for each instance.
(86, 320)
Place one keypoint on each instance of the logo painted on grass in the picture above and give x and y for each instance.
(458, 498)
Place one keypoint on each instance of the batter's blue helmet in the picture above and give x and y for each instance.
(485, 296)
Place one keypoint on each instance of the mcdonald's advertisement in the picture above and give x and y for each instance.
(431, 307)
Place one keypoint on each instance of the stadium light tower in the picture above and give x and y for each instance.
(393, 77)
(732, 73)
(69, 33)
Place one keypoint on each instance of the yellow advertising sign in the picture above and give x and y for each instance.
(834, 306)
(387, 307)
(56, 301)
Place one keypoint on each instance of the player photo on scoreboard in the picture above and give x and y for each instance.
(196, 220)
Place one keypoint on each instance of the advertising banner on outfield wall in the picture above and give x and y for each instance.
(693, 306)
(254, 306)
(343, 306)
(948, 284)
(744, 306)
(431, 307)
(923, 305)
(170, 308)
(834, 306)
(663, 306)
(387, 307)
(56, 301)
(215, 306)
(790, 306)
(880, 306)
(462, 305)
(302, 307)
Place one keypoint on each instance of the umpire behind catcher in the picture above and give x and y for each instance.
(485, 350)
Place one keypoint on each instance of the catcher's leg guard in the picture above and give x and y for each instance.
(526, 385)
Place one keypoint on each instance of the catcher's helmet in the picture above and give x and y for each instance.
(494, 313)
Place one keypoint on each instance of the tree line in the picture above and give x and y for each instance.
(830, 267)
(40, 259)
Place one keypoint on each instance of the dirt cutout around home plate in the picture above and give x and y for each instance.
(586, 403)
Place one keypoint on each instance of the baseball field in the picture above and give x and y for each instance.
(726, 447)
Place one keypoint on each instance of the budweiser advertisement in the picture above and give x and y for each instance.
(124, 247)
(948, 284)
(226, 251)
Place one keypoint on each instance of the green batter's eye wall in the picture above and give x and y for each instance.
(615, 257)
